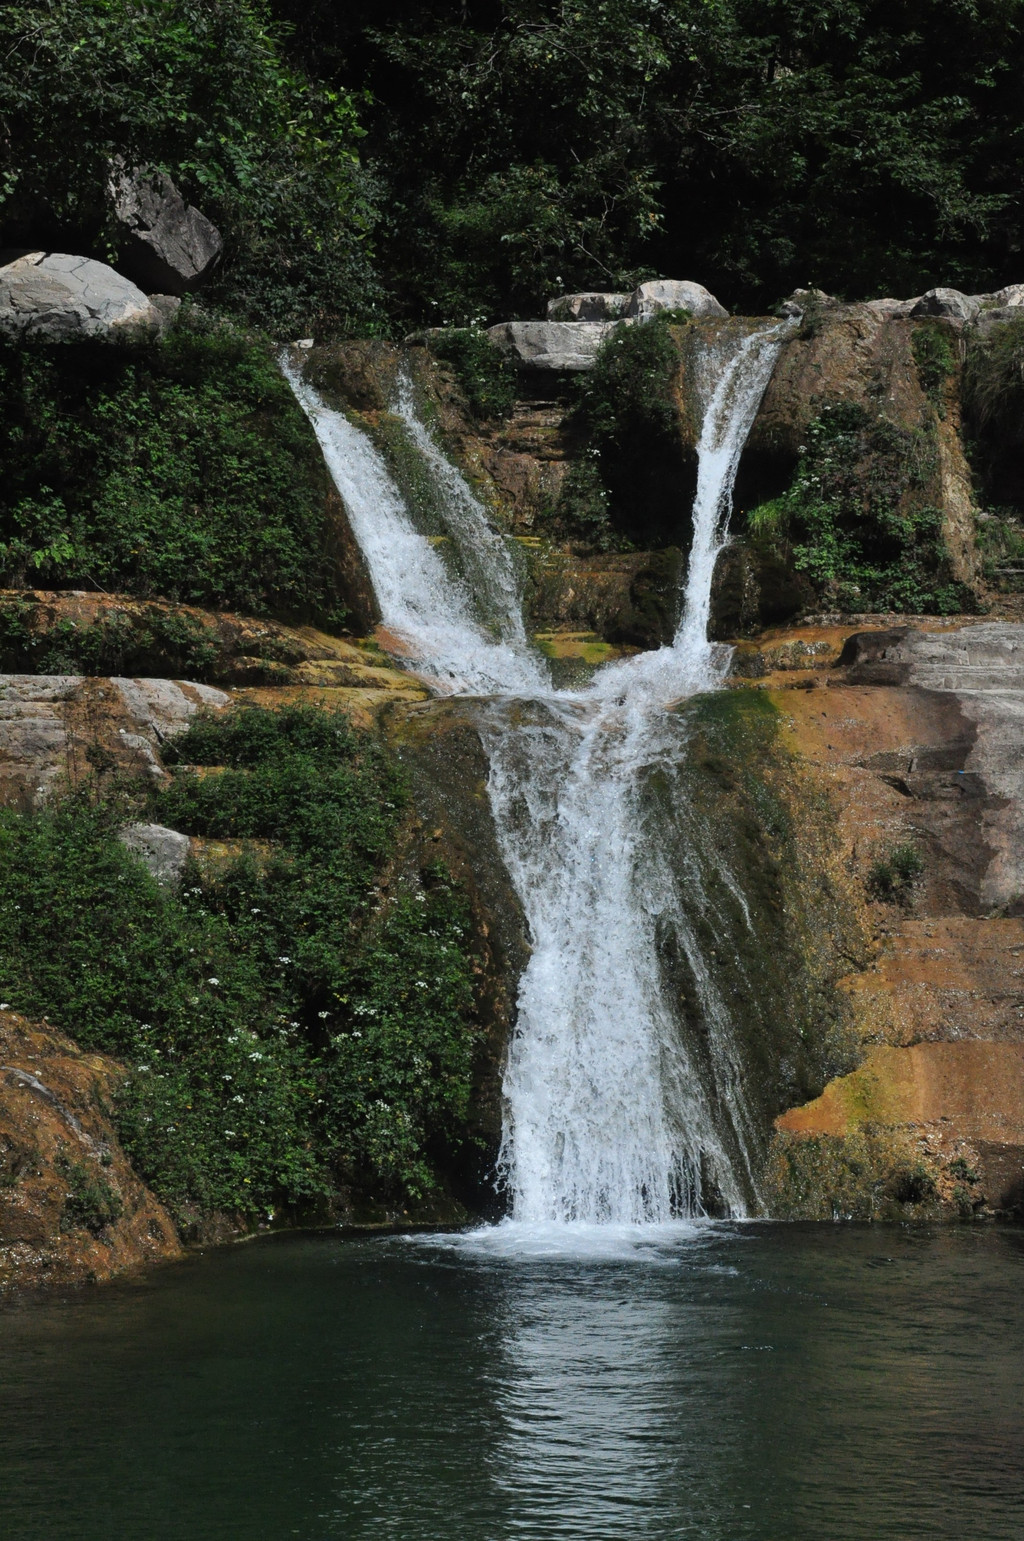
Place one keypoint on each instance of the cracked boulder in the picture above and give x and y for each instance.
(170, 247)
(54, 296)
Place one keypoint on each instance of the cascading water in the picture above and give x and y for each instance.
(610, 1118)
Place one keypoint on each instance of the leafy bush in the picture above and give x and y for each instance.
(91, 1203)
(288, 1027)
(630, 454)
(935, 361)
(183, 469)
(202, 91)
(581, 513)
(117, 643)
(1000, 539)
(487, 375)
(994, 382)
(895, 875)
(629, 391)
(856, 516)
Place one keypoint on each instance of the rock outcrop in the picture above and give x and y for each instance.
(862, 355)
(661, 294)
(577, 324)
(591, 306)
(163, 851)
(71, 1208)
(949, 303)
(54, 297)
(552, 347)
(169, 246)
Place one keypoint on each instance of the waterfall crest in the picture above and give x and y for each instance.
(609, 1116)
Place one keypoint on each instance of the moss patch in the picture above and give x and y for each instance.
(872, 1174)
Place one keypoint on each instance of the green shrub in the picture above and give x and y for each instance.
(994, 382)
(856, 518)
(288, 1027)
(183, 469)
(581, 513)
(629, 392)
(1000, 539)
(894, 876)
(629, 459)
(158, 641)
(91, 1203)
(487, 375)
(935, 361)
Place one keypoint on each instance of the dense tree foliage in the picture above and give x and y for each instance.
(183, 471)
(199, 88)
(509, 148)
(867, 147)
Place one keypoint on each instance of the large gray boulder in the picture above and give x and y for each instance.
(164, 851)
(591, 306)
(673, 294)
(553, 346)
(169, 245)
(55, 296)
(950, 303)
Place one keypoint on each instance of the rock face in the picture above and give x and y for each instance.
(1009, 297)
(54, 297)
(555, 347)
(592, 306)
(673, 294)
(864, 355)
(71, 1208)
(917, 739)
(170, 247)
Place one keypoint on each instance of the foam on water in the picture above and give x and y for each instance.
(574, 1240)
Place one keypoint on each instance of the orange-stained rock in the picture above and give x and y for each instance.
(952, 1096)
(71, 1208)
(979, 1085)
(917, 738)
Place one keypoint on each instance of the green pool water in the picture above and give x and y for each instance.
(721, 1381)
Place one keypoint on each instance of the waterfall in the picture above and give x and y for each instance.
(432, 614)
(610, 1117)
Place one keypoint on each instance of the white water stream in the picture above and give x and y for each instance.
(609, 1119)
